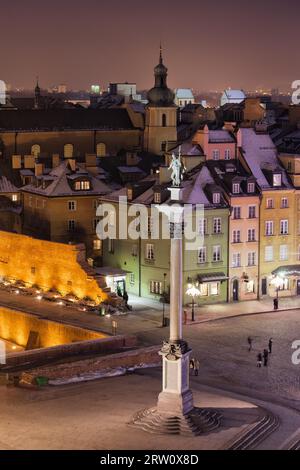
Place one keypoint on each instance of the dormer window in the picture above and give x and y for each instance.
(251, 187)
(83, 185)
(227, 154)
(216, 198)
(277, 179)
(236, 188)
(157, 198)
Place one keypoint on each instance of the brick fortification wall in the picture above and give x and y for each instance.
(48, 265)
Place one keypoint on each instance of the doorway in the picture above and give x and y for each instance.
(264, 286)
(235, 290)
(298, 286)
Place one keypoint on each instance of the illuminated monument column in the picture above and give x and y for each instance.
(176, 396)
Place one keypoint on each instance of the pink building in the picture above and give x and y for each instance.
(216, 144)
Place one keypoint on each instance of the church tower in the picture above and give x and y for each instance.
(37, 95)
(161, 113)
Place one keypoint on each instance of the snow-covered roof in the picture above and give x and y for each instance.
(60, 185)
(188, 148)
(6, 186)
(218, 136)
(184, 93)
(260, 154)
(234, 94)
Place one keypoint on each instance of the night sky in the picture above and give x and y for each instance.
(207, 44)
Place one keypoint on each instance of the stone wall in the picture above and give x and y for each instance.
(48, 265)
(15, 326)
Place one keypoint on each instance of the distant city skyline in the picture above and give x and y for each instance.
(205, 47)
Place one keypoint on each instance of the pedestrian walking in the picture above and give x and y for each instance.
(270, 345)
(266, 357)
(196, 367)
(250, 341)
(275, 303)
(259, 360)
(192, 365)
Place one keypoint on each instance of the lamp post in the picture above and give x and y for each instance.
(277, 281)
(164, 301)
(193, 292)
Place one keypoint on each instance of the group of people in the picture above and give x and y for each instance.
(262, 357)
(194, 366)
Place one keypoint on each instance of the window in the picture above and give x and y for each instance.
(289, 167)
(68, 151)
(202, 226)
(284, 203)
(249, 287)
(71, 225)
(37, 203)
(101, 149)
(36, 150)
(236, 260)
(283, 253)
(236, 188)
(252, 258)
(227, 154)
(132, 279)
(270, 203)
(163, 146)
(251, 187)
(214, 288)
(134, 250)
(236, 236)
(251, 235)
(216, 154)
(269, 228)
(164, 120)
(269, 255)
(157, 198)
(97, 244)
(252, 212)
(283, 284)
(95, 223)
(217, 225)
(236, 212)
(284, 227)
(277, 179)
(111, 245)
(14, 197)
(150, 251)
(216, 253)
(150, 225)
(72, 206)
(82, 185)
(30, 201)
(202, 255)
(203, 289)
(216, 198)
(155, 287)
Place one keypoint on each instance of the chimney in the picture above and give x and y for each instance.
(90, 159)
(29, 161)
(16, 162)
(55, 160)
(72, 163)
(39, 169)
(164, 174)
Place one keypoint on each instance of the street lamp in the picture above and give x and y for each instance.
(193, 292)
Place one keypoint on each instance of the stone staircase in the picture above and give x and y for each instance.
(255, 433)
(199, 421)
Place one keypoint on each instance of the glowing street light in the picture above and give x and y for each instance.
(193, 292)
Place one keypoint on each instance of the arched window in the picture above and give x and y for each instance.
(101, 149)
(36, 150)
(68, 150)
(164, 120)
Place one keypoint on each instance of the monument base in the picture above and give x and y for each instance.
(197, 421)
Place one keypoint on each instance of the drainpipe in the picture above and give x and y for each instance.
(228, 253)
(259, 227)
(140, 267)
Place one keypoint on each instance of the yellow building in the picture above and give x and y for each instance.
(278, 254)
(60, 205)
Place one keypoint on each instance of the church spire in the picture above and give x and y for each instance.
(37, 94)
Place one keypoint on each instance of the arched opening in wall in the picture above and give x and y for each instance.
(36, 150)
(68, 151)
(164, 120)
(101, 150)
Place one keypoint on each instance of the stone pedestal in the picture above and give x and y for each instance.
(176, 397)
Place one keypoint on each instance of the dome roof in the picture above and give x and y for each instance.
(159, 96)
